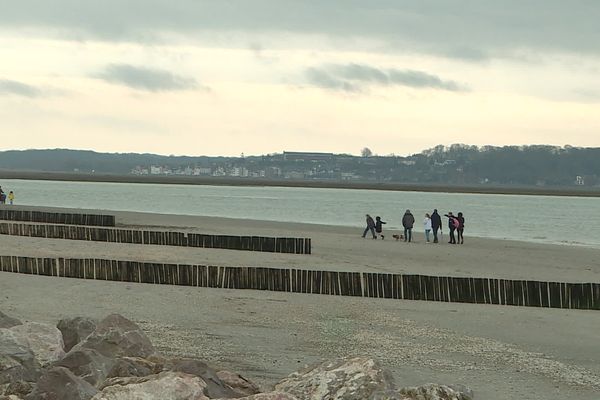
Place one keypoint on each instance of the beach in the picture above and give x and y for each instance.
(501, 352)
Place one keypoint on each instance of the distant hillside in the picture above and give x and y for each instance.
(454, 165)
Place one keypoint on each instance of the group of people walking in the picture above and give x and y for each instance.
(432, 224)
(4, 197)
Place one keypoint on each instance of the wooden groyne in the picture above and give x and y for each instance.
(57, 218)
(581, 296)
(163, 238)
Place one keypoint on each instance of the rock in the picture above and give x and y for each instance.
(8, 322)
(238, 383)
(74, 330)
(270, 396)
(166, 385)
(116, 336)
(215, 388)
(59, 383)
(133, 367)
(88, 365)
(44, 340)
(434, 392)
(342, 379)
(19, 388)
(17, 361)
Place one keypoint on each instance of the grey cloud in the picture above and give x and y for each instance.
(352, 77)
(149, 79)
(18, 89)
(467, 29)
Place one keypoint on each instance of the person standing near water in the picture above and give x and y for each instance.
(379, 227)
(11, 197)
(408, 221)
(461, 227)
(427, 226)
(370, 227)
(452, 225)
(436, 225)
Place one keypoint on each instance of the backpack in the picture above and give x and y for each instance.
(455, 222)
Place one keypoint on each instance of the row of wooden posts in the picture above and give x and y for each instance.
(57, 218)
(583, 296)
(164, 238)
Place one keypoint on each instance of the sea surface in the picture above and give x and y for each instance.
(547, 219)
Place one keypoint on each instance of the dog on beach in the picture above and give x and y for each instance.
(398, 237)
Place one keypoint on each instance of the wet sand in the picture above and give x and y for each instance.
(501, 352)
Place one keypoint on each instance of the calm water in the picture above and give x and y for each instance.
(567, 220)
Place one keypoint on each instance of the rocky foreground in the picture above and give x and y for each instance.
(112, 359)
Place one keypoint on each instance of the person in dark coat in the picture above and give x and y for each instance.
(452, 225)
(370, 227)
(436, 225)
(461, 228)
(379, 227)
(408, 221)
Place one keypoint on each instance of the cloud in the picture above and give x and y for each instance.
(465, 29)
(353, 77)
(18, 89)
(149, 79)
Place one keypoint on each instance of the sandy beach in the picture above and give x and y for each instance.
(500, 352)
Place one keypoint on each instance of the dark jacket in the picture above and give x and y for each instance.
(436, 221)
(461, 221)
(379, 225)
(408, 221)
(370, 222)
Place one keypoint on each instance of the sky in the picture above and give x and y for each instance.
(225, 77)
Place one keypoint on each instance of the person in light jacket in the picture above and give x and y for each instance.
(408, 222)
(427, 226)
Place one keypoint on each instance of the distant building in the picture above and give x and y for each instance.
(579, 180)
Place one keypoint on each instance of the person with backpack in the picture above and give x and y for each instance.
(436, 225)
(379, 227)
(370, 227)
(408, 221)
(461, 228)
(453, 224)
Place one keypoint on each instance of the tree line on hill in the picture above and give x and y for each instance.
(456, 164)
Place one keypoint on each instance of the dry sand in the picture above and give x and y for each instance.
(501, 352)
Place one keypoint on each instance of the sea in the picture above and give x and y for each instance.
(543, 219)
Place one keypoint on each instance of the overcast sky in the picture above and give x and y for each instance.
(229, 77)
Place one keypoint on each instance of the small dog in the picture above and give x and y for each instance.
(398, 237)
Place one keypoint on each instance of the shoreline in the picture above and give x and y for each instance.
(255, 182)
(334, 248)
(287, 225)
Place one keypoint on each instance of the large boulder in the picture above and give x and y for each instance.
(60, 384)
(270, 396)
(435, 392)
(88, 365)
(134, 367)
(8, 322)
(215, 388)
(17, 361)
(116, 336)
(44, 340)
(74, 330)
(342, 379)
(238, 383)
(166, 385)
